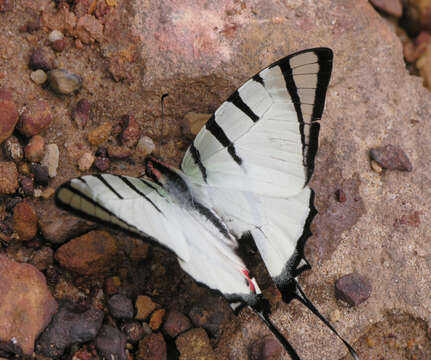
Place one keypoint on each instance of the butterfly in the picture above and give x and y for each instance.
(246, 172)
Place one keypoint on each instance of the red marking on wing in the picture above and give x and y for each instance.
(250, 283)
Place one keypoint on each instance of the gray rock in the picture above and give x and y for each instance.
(121, 307)
(63, 82)
(111, 343)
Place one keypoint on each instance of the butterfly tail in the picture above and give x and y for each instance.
(300, 295)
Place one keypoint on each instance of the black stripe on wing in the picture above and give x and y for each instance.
(236, 99)
(197, 159)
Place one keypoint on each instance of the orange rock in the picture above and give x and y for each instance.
(25, 221)
(144, 307)
(35, 148)
(100, 134)
(8, 114)
(195, 344)
(157, 319)
(35, 118)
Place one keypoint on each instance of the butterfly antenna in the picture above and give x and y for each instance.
(300, 295)
(159, 150)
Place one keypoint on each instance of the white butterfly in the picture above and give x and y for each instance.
(245, 172)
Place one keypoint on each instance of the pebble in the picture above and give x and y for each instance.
(133, 330)
(86, 161)
(81, 113)
(89, 254)
(58, 45)
(152, 347)
(42, 58)
(112, 285)
(42, 258)
(39, 76)
(102, 163)
(63, 82)
(144, 307)
(157, 319)
(121, 307)
(195, 344)
(391, 157)
(25, 221)
(13, 149)
(8, 177)
(353, 288)
(55, 35)
(8, 114)
(35, 149)
(51, 159)
(267, 348)
(119, 152)
(40, 173)
(61, 227)
(340, 195)
(72, 324)
(376, 167)
(131, 131)
(35, 118)
(27, 185)
(144, 147)
(27, 305)
(100, 134)
(176, 323)
(111, 343)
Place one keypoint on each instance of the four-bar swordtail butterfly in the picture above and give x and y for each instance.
(247, 171)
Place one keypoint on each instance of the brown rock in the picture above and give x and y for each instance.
(25, 220)
(100, 134)
(118, 152)
(353, 288)
(35, 149)
(131, 132)
(112, 285)
(267, 348)
(26, 305)
(340, 195)
(35, 118)
(27, 185)
(92, 253)
(13, 149)
(391, 157)
(8, 177)
(157, 319)
(136, 249)
(41, 58)
(60, 227)
(144, 307)
(81, 113)
(89, 29)
(176, 323)
(195, 345)
(8, 114)
(391, 7)
(64, 82)
(102, 163)
(133, 331)
(152, 347)
(42, 258)
(58, 45)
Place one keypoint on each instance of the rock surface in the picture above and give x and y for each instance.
(152, 347)
(111, 343)
(26, 306)
(194, 345)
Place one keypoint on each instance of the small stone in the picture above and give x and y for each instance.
(40, 173)
(119, 152)
(42, 258)
(27, 185)
(35, 118)
(55, 35)
(100, 134)
(157, 319)
(111, 343)
(340, 195)
(391, 157)
(267, 348)
(131, 132)
(35, 149)
(8, 114)
(81, 113)
(63, 82)
(133, 331)
(51, 159)
(176, 323)
(85, 161)
(41, 58)
(58, 45)
(376, 167)
(8, 177)
(25, 221)
(26, 305)
(102, 163)
(89, 254)
(47, 193)
(353, 289)
(121, 307)
(112, 285)
(144, 147)
(89, 29)
(193, 122)
(144, 307)
(72, 324)
(13, 149)
(152, 347)
(195, 344)
(391, 7)
(39, 76)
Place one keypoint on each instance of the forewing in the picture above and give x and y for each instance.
(132, 204)
(263, 139)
